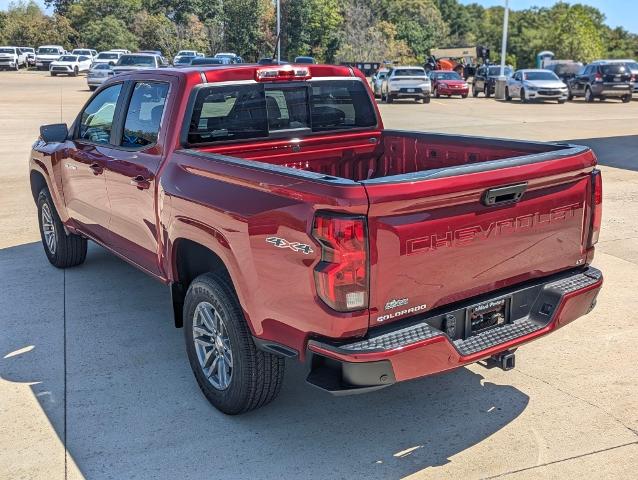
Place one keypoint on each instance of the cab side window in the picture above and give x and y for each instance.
(144, 114)
(96, 121)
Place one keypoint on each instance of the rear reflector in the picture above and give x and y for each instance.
(597, 207)
(285, 72)
(341, 278)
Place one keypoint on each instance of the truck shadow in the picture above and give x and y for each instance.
(617, 152)
(133, 409)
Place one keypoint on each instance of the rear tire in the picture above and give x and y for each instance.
(487, 92)
(474, 92)
(53, 74)
(436, 93)
(75, 72)
(508, 98)
(426, 99)
(626, 99)
(233, 374)
(589, 96)
(389, 98)
(523, 97)
(464, 96)
(62, 249)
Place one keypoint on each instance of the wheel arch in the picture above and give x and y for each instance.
(189, 259)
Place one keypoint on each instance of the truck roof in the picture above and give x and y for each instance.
(243, 72)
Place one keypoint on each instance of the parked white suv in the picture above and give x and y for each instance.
(46, 54)
(12, 58)
(70, 65)
(87, 52)
(29, 52)
(109, 57)
(406, 82)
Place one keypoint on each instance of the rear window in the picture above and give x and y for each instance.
(409, 72)
(613, 69)
(239, 112)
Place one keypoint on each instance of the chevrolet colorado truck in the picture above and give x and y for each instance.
(287, 222)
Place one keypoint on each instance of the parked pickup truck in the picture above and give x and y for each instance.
(288, 222)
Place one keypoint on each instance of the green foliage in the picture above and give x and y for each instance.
(330, 30)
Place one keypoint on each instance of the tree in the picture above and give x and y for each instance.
(418, 23)
(248, 27)
(574, 32)
(107, 33)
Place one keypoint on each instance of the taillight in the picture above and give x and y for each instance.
(597, 207)
(598, 77)
(341, 278)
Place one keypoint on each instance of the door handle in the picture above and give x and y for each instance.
(96, 168)
(503, 195)
(140, 182)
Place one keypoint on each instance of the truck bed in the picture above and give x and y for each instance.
(390, 153)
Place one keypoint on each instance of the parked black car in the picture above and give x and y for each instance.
(485, 79)
(602, 80)
(565, 70)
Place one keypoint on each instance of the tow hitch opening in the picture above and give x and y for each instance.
(505, 360)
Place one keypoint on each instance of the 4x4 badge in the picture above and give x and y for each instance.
(296, 246)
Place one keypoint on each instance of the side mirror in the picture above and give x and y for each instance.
(54, 133)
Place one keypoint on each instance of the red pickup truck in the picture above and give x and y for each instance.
(288, 222)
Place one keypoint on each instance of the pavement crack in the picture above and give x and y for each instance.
(566, 459)
(576, 397)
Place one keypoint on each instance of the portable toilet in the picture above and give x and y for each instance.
(542, 57)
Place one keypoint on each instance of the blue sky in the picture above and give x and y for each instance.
(620, 13)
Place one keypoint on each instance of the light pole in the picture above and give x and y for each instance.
(278, 31)
(502, 79)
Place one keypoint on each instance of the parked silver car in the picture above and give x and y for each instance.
(535, 84)
(98, 75)
(377, 81)
(138, 61)
(406, 82)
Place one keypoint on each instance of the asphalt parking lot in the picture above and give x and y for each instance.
(94, 380)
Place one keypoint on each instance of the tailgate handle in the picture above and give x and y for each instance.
(503, 195)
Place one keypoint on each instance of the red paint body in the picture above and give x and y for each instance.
(449, 87)
(431, 240)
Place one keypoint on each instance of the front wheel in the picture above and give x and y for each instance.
(75, 72)
(626, 99)
(523, 96)
(474, 92)
(487, 92)
(589, 96)
(436, 93)
(426, 99)
(233, 374)
(389, 98)
(62, 249)
(508, 97)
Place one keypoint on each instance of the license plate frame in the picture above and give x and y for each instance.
(411, 90)
(487, 315)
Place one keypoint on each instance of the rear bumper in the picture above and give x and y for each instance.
(406, 351)
(611, 90)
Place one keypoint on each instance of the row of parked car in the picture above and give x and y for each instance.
(600, 79)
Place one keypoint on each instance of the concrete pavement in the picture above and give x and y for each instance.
(94, 381)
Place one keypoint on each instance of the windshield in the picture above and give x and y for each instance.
(82, 52)
(224, 55)
(446, 76)
(567, 68)
(539, 76)
(188, 59)
(68, 58)
(7, 50)
(207, 61)
(632, 65)
(108, 56)
(48, 51)
(234, 112)
(496, 71)
(137, 60)
(102, 66)
(409, 72)
(186, 53)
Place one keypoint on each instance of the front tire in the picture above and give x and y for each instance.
(426, 99)
(508, 97)
(62, 249)
(626, 99)
(589, 96)
(75, 72)
(233, 374)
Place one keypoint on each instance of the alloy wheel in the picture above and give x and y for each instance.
(48, 229)
(213, 346)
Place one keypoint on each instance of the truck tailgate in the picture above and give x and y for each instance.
(434, 240)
